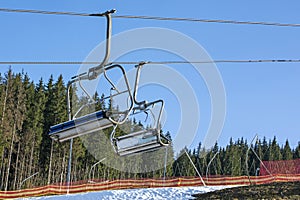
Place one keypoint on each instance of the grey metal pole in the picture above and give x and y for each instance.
(262, 163)
(69, 165)
(93, 167)
(246, 162)
(195, 168)
(165, 165)
(27, 179)
(210, 163)
(256, 171)
(71, 141)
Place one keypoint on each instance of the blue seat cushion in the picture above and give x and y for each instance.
(71, 124)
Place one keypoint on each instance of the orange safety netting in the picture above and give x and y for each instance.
(280, 167)
(145, 183)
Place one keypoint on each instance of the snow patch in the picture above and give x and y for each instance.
(145, 193)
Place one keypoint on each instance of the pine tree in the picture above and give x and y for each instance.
(274, 150)
(287, 153)
(58, 151)
(236, 160)
(55, 112)
(297, 152)
(183, 165)
(48, 121)
(6, 127)
(255, 159)
(228, 164)
(265, 149)
(214, 159)
(222, 160)
(33, 125)
(15, 109)
(26, 136)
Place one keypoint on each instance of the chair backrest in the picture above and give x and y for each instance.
(81, 126)
(139, 142)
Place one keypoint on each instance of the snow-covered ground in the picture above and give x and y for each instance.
(147, 193)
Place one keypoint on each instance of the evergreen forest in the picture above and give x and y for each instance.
(28, 109)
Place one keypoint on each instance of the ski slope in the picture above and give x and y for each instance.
(147, 193)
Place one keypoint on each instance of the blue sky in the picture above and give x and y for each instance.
(262, 98)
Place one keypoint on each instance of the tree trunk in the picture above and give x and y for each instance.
(2, 119)
(9, 157)
(2, 169)
(17, 165)
(22, 169)
(4, 103)
(50, 163)
(62, 169)
(31, 158)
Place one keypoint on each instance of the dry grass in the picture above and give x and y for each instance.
(279, 190)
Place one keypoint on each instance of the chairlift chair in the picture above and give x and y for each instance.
(131, 143)
(140, 142)
(101, 119)
(145, 140)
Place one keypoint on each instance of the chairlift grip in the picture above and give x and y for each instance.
(105, 13)
(137, 80)
(95, 71)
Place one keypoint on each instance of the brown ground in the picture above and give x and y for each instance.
(283, 190)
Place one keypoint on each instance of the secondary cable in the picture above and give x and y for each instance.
(148, 62)
(154, 18)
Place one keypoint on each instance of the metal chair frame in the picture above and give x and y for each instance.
(136, 142)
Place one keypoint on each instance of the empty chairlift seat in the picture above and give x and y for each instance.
(140, 141)
(83, 125)
(135, 142)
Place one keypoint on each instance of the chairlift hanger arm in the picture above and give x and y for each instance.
(144, 105)
(136, 84)
(95, 71)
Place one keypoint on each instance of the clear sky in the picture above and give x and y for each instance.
(262, 98)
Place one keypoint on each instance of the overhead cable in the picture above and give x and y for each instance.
(207, 20)
(43, 12)
(148, 62)
(154, 18)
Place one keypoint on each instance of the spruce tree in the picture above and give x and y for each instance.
(265, 149)
(48, 117)
(297, 152)
(287, 153)
(28, 132)
(274, 150)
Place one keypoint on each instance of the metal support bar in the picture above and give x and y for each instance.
(93, 167)
(210, 163)
(165, 164)
(261, 162)
(69, 166)
(128, 90)
(195, 167)
(27, 179)
(246, 162)
(71, 141)
(129, 93)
